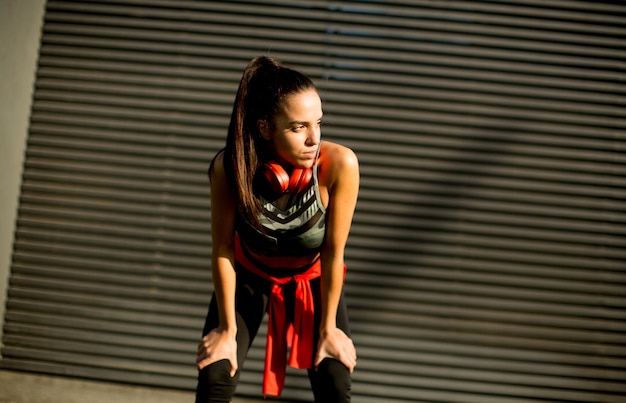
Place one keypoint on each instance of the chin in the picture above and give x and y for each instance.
(307, 164)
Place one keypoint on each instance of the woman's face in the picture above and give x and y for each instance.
(295, 135)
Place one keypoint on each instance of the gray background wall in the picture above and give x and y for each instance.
(486, 261)
(20, 28)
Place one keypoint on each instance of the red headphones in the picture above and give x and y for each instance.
(282, 182)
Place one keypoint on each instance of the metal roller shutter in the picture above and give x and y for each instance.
(487, 257)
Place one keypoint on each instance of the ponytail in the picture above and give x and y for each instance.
(264, 84)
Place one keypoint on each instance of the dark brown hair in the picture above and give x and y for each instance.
(264, 85)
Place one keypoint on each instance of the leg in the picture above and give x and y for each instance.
(332, 381)
(215, 384)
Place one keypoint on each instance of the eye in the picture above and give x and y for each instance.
(297, 128)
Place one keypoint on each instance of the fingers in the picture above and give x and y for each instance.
(348, 361)
(321, 355)
(212, 348)
(347, 357)
(340, 348)
(233, 367)
(203, 345)
(206, 360)
(203, 356)
(201, 363)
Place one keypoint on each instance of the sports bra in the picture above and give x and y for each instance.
(294, 226)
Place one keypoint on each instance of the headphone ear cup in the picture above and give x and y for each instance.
(299, 180)
(277, 177)
(281, 182)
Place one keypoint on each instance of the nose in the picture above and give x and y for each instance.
(314, 135)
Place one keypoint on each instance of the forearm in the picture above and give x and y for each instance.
(223, 235)
(342, 179)
(333, 342)
(224, 281)
(221, 342)
(331, 288)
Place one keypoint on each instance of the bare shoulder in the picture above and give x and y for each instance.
(338, 157)
(338, 165)
(217, 165)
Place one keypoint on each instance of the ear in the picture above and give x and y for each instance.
(264, 129)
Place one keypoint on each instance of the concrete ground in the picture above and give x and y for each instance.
(23, 387)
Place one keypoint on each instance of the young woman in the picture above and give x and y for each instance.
(282, 203)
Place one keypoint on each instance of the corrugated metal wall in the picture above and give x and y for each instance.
(488, 253)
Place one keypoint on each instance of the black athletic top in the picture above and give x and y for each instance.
(294, 227)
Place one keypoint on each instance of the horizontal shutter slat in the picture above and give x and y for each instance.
(486, 257)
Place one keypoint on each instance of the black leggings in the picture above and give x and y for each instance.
(330, 383)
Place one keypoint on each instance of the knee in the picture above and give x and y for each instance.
(332, 382)
(215, 385)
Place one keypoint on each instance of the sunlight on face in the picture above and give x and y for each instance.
(297, 131)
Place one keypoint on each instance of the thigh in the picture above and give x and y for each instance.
(343, 322)
(214, 381)
(251, 300)
(331, 382)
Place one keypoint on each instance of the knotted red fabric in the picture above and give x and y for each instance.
(281, 334)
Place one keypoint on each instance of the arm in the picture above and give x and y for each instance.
(220, 343)
(343, 187)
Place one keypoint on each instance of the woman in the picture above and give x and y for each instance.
(282, 204)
